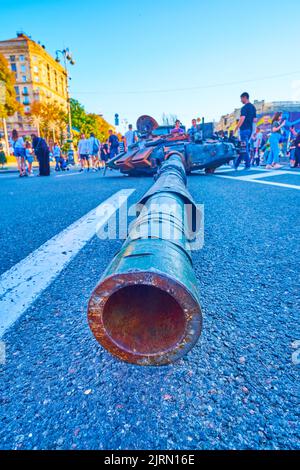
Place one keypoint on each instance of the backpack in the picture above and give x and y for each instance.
(95, 146)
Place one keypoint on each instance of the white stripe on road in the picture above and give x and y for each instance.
(259, 181)
(69, 174)
(266, 174)
(24, 282)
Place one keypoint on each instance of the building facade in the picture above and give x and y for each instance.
(39, 77)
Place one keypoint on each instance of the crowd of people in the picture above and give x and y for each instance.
(26, 150)
(92, 154)
(256, 147)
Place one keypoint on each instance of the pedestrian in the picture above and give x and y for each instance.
(274, 140)
(2, 154)
(42, 153)
(63, 163)
(113, 144)
(290, 150)
(18, 146)
(193, 131)
(257, 139)
(245, 128)
(122, 145)
(56, 151)
(29, 158)
(130, 137)
(83, 149)
(94, 150)
(104, 153)
(297, 151)
(177, 128)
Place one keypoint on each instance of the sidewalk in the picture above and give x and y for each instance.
(9, 169)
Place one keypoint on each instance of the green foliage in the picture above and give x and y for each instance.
(88, 122)
(8, 99)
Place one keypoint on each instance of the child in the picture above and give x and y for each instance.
(57, 155)
(63, 163)
(29, 158)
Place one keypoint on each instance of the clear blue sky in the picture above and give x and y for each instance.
(128, 51)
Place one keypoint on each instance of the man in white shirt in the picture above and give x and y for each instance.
(129, 137)
(84, 152)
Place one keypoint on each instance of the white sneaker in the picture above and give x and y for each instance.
(269, 167)
(277, 166)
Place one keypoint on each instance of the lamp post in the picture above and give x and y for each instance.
(67, 57)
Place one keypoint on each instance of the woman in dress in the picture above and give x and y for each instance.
(41, 151)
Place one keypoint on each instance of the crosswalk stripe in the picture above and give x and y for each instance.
(259, 181)
(24, 282)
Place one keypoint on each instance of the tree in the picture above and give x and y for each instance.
(88, 122)
(8, 98)
(78, 114)
(48, 118)
(169, 119)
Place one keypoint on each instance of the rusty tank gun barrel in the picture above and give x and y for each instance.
(145, 309)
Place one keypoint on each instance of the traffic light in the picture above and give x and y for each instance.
(116, 119)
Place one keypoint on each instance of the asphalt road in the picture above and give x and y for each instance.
(237, 389)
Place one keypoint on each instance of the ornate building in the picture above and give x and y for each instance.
(39, 77)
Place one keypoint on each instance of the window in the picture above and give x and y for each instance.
(25, 90)
(26, 100)
(24, 78)
(17, 90)
(27, 109)
(36, 69)
(18, 98)
(13, 67)
(12, 58)
(22, 58)
(23, 68)
(36, 79)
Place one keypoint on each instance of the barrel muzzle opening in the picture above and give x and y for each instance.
(144, 318)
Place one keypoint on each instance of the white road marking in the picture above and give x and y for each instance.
(69, 174)
(266, 174)
(259, 181)
(24, 282)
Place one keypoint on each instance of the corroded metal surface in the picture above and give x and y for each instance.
(146, 308)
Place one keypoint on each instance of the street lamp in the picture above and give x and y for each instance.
(67, 57)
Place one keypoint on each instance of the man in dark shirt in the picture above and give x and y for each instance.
(245, 127)
(113, 144)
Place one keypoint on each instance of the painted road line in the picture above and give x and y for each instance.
(24, 282)
(69, 174)
(259, 181)
(266, 174)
